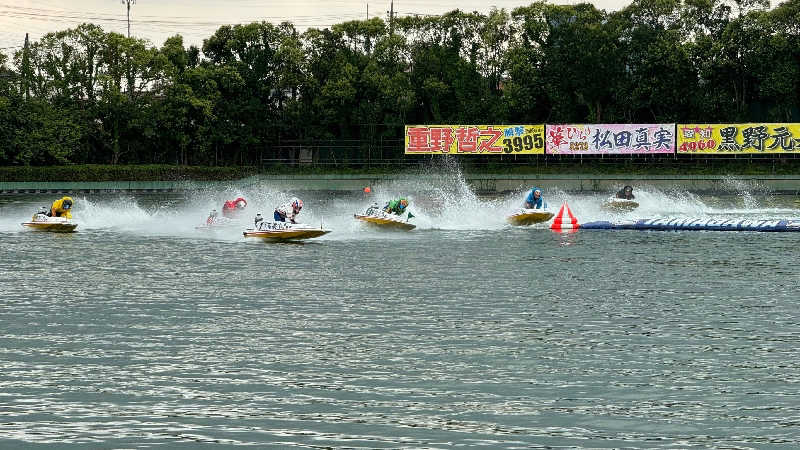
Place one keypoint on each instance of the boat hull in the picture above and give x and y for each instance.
(41, 222)
(529, 217)
(620, 204)
(220, 225)
(385, 222)
(282, 231)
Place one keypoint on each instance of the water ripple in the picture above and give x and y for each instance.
(643, 340)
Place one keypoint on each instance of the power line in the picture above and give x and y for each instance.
(166, 26)
(48, 18)
(34, 13)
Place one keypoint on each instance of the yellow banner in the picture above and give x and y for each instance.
(738, 138)
(475, 139)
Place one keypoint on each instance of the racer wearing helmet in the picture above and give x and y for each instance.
(626, 193)
(212, 217)
(397, 206)
(534, 199)
(232, 208)
(288, 211)
(61, 208)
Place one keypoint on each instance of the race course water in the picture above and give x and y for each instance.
(138, 331)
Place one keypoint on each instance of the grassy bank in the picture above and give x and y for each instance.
(633, 168)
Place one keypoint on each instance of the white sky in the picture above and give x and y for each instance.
(195, 20)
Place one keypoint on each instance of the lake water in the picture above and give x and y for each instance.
(138, 331)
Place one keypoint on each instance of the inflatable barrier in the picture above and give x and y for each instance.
(698, 224)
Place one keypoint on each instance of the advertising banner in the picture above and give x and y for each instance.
(610, 139)
(474, 139)
(727, 138)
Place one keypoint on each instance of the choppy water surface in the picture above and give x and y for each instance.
(140, 332)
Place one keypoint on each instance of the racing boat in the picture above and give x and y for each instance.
(42, 222)
(620, 204)
(380, 218)
(220, 224)
(526, 216)
(284, 231)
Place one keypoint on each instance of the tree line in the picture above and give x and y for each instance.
(262, 90)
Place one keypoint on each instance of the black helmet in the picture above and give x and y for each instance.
(628, 188)
(67, 203)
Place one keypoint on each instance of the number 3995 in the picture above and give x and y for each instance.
(518, 143)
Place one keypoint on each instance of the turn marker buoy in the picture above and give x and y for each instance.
(564, 222)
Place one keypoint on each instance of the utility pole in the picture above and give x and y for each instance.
(26, 68)
(129, 80)
(128, 2)
(367, 10)
(391, 18)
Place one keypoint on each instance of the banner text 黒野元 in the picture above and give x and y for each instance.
(474, 139)
(727, 138)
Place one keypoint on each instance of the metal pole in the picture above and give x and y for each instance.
(26, 62)
(128, 2)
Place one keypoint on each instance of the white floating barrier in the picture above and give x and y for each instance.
(697, 224)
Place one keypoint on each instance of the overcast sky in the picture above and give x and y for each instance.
(195, 20)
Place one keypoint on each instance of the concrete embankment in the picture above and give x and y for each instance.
(481, 183)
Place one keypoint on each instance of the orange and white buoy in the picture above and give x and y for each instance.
(565, 220)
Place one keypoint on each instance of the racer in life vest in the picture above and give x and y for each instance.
(534, 199)
(288, 211)
(397, 206)
(234, 208)
(61, 208)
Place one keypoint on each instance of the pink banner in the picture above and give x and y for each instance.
(610, 139)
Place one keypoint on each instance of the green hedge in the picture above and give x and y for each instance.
(124, 173)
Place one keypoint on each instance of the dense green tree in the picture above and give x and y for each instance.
(659, 83)
(263, 91)
(776, 59)
(45, 134)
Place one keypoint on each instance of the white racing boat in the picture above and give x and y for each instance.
(524, 216)
(220, 224)
(284, 231)
(42, 222)
(380, 218)
(620, 204)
